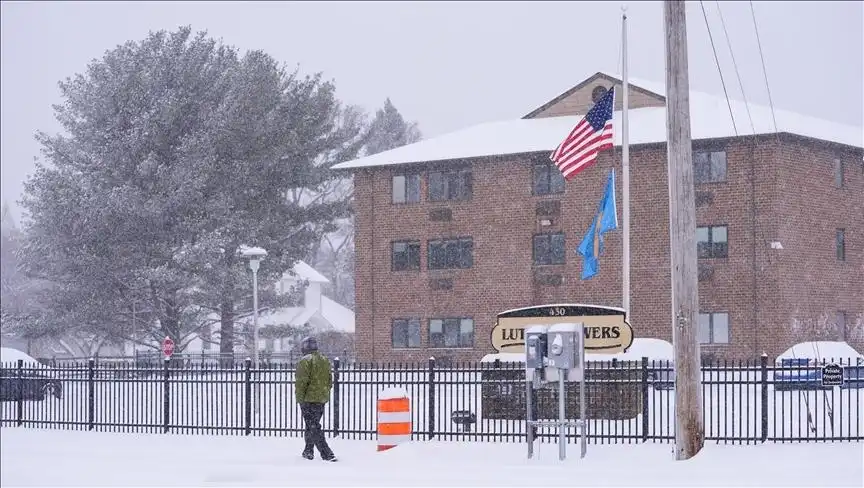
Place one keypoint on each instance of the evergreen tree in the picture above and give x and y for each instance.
(178, 150)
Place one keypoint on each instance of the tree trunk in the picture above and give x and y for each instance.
(226, 332)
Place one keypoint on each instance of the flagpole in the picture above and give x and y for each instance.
(625, 169)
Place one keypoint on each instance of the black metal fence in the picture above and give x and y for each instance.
(627, 402)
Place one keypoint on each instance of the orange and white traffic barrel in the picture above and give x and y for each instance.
(394, 418)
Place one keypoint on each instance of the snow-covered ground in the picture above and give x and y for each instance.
(35, 457)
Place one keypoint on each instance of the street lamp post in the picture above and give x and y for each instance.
(255, 255)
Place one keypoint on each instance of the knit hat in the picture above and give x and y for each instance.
(308, 344)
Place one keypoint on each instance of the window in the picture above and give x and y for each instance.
(451, 253)
(406, 188)
(549, 248)
(597, 93)
(712, 242)
(709, 166)
(405, 333)
(450, 185)
(841, 244)
(838, 173)
(714, 328)
(405, 255)
(451, 332)
(547, 179)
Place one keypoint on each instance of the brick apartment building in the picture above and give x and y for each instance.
(452, 230)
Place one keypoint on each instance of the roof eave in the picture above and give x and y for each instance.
(540, 154)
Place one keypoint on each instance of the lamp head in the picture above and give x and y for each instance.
(252, 252)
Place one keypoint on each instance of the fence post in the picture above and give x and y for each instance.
(645, 393)
(166, 394)
(91, 393)
(247, 407)
(431, 386)
(764, 399)
(336, 396)
(20, 406)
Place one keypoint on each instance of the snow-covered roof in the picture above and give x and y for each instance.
(338, 316)
(709, 119)
(820, 350)
(308, 273)
(341, 317)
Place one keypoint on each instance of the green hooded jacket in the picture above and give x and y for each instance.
(313, 379)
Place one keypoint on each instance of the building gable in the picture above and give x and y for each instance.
(579, 99)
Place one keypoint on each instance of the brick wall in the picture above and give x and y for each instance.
(814, 284)
(501, 219)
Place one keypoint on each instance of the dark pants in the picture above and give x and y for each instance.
(314, 435)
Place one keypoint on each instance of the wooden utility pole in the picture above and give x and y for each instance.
(689, 429)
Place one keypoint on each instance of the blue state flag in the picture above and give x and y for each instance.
(591, 247)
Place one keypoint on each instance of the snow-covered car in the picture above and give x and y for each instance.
(800, 366)
(660, 354)
(33, 382)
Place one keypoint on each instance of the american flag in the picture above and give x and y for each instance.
(591, 135)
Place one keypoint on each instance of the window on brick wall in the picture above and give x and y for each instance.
(549, 248)
(451, 332)
(840, 243)
(713, 328)
(405, 333)
(548, 179)
(712, 242)
(406, 188)
(405, 255)
(451, 253)
(709, 166)
(454, 184)
(839, 171)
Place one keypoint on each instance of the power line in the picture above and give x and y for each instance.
(764, 71)
(754, 149)
(735, 66)
(719, 70)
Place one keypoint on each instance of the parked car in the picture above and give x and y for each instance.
(800, 366)
(34, 382)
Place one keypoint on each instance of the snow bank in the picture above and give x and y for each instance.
(653, 349)
(393, 392)
(504, 357)
(820, 350)
(9, 355)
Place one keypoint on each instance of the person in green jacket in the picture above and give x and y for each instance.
(312, 384)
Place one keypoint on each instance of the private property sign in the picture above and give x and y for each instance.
(606, 328)
(832, 375)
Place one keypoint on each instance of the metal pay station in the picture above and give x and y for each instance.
(555, 354)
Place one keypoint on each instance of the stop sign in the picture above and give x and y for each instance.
(168, 347)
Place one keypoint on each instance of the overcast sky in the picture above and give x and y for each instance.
(446, 65)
